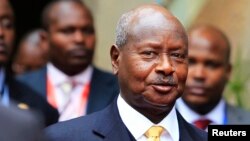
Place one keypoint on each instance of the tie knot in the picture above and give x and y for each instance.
(202, 123)
(68, 86)
(154, 132)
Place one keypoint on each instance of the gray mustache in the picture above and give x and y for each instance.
(168, 80)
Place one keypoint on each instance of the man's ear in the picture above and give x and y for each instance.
(43, 35)
(44, 40)
(115, 55)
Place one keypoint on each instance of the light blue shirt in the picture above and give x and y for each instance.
(4, 90)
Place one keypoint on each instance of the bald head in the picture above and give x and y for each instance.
(211, 36)
(57, 10)
(151, 16)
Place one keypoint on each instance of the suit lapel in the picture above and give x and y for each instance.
(110, 126)
(185, 134)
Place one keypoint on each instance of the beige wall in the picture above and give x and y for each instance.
(106, 14)
(232, 16)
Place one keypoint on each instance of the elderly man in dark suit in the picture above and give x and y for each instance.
(150, 61)
(10, 88)
(70, 82)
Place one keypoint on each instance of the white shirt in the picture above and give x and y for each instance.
(57, 77)
(217, 115)
(138, 124)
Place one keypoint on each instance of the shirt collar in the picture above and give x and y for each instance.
(140, 126)
(82, 77)
(217, 115)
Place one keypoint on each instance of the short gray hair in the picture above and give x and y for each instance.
(122, 29)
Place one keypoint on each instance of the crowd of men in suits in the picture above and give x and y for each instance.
(154, 80)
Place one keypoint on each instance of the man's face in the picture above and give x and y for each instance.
(152, 66)
(209, 70)
(71, 37)
(6, 31)
(30, 57)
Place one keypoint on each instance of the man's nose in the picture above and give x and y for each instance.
(79, 37)
(165, 65)
(198, 72)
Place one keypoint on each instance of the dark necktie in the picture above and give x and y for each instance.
(202, 123)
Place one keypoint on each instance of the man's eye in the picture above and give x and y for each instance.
(149, 54)
(7, 23)
(88, 30)
(178, 55)
(68, 30)
(213, 65)
(191, 61)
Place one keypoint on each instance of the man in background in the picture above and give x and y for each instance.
(70, 82)
(32, 53)
(209, 71)
(10, 88)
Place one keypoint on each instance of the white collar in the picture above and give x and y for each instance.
(57, 76)
(142, 124)
(217, 115)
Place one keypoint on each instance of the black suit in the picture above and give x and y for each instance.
(103, 87)
(21, 93)
(106, 125)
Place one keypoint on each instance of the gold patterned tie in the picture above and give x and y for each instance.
(154, 133)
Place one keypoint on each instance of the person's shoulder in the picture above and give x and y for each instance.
(237, 114)
(237, 109)
(71, 129)
(22, 93)
(32, 74)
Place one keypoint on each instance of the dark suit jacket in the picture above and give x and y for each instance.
(103, 87)
(21, 93)
(19, 125)
(106, 125)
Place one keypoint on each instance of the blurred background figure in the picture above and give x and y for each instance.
(70, 82)
(19, 125)
(11, 89)
(203, 102)
(32, 53)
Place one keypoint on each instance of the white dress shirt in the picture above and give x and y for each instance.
(217, 115)
(138, 124)
(57, 77)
